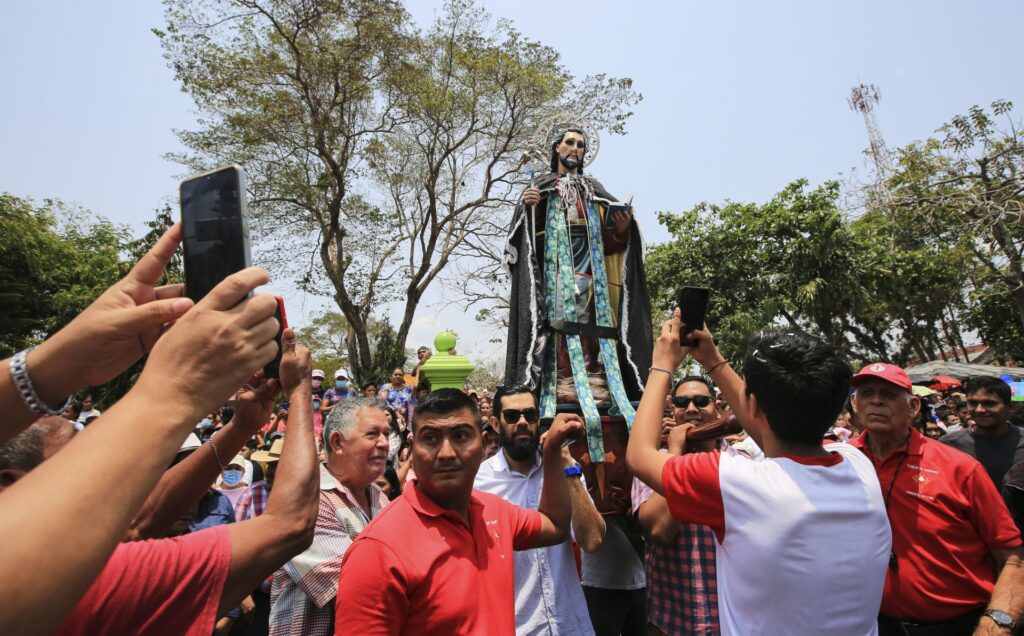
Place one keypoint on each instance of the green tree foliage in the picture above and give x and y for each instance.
(376, 153)
(328, 338)
(965, 190)
(388, 353)
(935, 255)
(54, 261)
(790, 261)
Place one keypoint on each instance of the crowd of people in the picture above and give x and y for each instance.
(212, 499)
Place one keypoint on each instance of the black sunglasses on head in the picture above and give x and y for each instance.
(511, 416)
(683, 401)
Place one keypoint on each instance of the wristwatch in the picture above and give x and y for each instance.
(1001, 618)
(573, 471)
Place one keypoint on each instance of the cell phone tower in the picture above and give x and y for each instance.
(863, 99)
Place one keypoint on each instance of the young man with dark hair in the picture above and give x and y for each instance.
(769, 563)
(438, 560)
(549, 598)
(992, 440)
(949, 526)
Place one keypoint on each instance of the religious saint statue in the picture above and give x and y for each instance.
(580, 322)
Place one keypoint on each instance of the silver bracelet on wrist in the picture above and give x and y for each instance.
(216, 455)
(666, 371)
(19, 374)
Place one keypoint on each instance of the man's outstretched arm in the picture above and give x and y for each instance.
(260, 546)
(555, 502)
(182, 486)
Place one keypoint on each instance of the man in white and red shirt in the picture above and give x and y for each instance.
(949, 523)
(775, 521)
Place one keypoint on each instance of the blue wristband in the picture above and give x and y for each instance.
(573, 471)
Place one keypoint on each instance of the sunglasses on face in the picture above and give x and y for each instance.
(511, 416)
(700, 401)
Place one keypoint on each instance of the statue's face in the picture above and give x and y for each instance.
(571, 150)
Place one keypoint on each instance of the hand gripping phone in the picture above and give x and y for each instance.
(214, 228)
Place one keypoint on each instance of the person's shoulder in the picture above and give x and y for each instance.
(493, 504)
(488, 466)
(394, 517)
(488, 500)
(951, 456)
(957, 438)
(1018, 434)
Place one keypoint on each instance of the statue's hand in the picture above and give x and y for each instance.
(531, 196)
(622, 221)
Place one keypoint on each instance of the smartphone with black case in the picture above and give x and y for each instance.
(214, 228)
(693, 307)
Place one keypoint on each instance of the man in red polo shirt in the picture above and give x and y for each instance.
(948, 521)
(438, 560)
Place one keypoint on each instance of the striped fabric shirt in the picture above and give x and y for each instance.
(303, 593)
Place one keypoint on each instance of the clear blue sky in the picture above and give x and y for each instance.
(740, 98)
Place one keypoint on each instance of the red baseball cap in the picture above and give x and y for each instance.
(888, 372)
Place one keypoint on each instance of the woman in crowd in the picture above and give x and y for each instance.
(398, 395)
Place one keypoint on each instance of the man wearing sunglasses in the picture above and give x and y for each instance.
(680, 553)
(516, 474)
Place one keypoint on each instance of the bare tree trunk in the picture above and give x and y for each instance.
(948, 336)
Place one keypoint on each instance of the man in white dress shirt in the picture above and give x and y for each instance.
(549, 597)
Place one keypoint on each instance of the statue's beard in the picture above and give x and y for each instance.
(569, 162)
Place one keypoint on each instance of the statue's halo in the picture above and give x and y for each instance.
(555, 126)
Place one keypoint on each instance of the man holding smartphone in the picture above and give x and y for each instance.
(768, 564)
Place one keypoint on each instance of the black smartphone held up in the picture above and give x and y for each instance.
(693, 307)
(273, 368)
(214, 228)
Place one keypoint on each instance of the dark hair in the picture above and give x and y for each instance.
(554, 149)
(443, 402)
(504, 391)
(695, 378)
(800, 382)
(989, 384)
(373, 384)
(423, 384)
(23, 451)
(76, 407)
(393, 420)
(252, 442)
(392, 477)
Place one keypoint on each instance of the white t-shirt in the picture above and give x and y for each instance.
(802, 543)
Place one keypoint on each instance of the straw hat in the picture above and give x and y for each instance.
(272, 455)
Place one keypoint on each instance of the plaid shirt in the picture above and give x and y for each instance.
(252, 503)
(682, 589)
(302, 596)
(259, 494)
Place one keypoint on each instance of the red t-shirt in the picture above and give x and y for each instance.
(418, 568)
(164, 586)
(946, 516)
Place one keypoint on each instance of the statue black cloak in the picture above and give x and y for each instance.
(530, 337)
